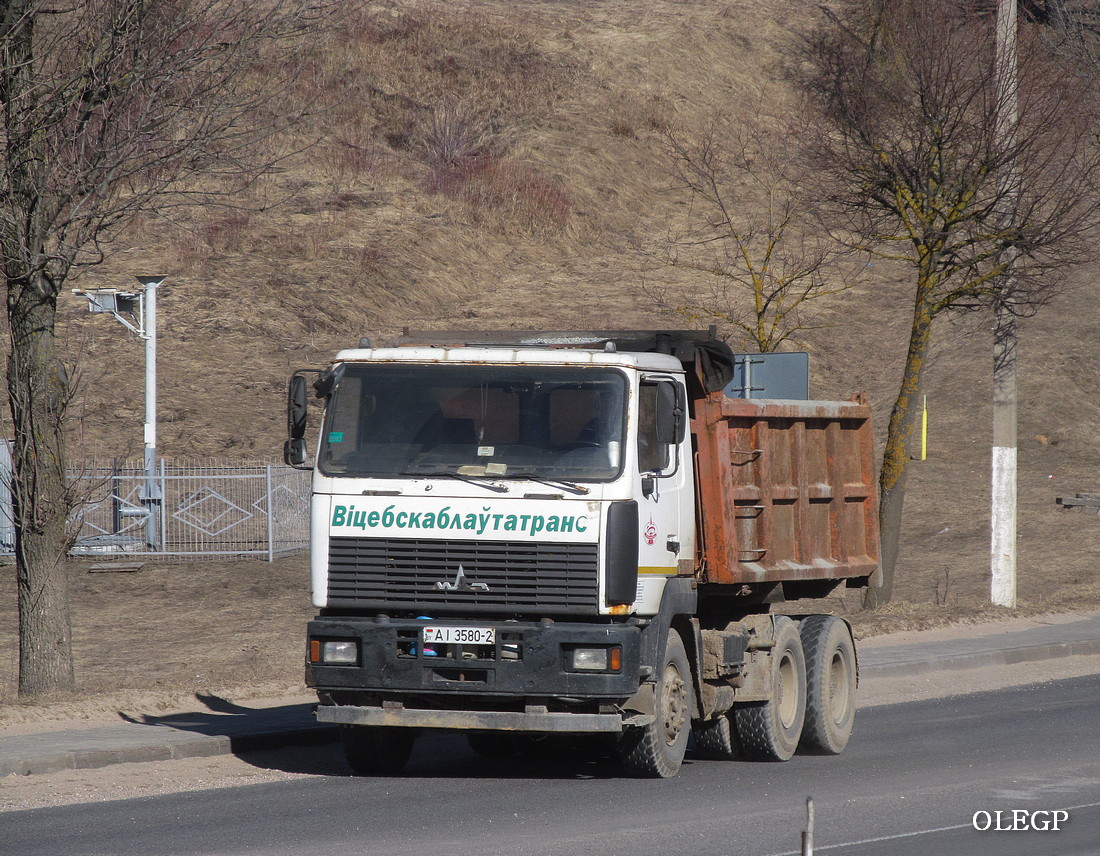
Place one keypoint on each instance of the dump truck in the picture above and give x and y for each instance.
(536, 537)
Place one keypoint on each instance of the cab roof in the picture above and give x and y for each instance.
(700, 352)
(514, 356)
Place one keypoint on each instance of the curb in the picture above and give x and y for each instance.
(911, 667)
(91, 749)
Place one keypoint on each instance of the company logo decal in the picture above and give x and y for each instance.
(650, 532)
(480, 523)
(460, 583)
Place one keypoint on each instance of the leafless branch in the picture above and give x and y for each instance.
(748, 232)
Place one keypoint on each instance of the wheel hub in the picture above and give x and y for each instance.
(674, 705)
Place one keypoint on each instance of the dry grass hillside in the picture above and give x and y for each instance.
(497, 164)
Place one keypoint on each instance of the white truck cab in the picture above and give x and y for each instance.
(475, 447)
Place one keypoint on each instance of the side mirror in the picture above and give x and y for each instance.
(670, 414)
(294, 452)
(297, 406)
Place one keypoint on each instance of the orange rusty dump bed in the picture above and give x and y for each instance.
(785, 490)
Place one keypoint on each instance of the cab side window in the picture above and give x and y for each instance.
(652, 455)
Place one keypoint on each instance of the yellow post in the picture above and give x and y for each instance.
(924, 430)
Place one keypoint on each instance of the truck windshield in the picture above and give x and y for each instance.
(394, 420)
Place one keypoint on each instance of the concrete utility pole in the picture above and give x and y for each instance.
(1004, 499)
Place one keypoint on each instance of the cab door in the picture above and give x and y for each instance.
(666, 507)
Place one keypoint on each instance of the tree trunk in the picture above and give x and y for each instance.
(898, 452)
(37, 394)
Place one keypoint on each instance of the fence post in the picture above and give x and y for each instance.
(116, 503)
(270, 517)
(7, 506)
(163, 508)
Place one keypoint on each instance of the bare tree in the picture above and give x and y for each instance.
(920, 174)
(110, 108)
(748, 231)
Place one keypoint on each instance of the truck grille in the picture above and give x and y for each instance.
(509, 576)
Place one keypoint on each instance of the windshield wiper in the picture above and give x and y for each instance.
(569, 486)
(468, 479)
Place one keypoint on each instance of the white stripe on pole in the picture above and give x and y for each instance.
(1003, 544)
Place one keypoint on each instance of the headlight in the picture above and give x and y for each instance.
(597, 659)
(334, 652)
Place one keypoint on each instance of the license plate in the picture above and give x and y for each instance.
(459, 635)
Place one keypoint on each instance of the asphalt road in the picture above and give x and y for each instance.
(911, 782)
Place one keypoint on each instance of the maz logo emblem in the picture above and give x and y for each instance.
(460, 583)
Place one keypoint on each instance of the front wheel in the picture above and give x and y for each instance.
(657, 750)
(770, 730)
(376, 750)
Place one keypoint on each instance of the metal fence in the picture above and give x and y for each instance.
(245, 509)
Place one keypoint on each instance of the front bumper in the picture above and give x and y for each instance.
(540, 721)
(529, 660)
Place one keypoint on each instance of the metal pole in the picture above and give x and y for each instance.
(116, 502)
(1004, 468)
(163, 484)
(270, 516)
(152, 490)
(808, 835)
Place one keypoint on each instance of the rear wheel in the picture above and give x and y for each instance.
(716, 739)
(831, 685)
(770, 730)
(376, 750)
(657, 750)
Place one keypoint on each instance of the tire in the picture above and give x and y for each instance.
(770, 730)
(831, 679)
(716, 739)
(657, 750)
(376, 751)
